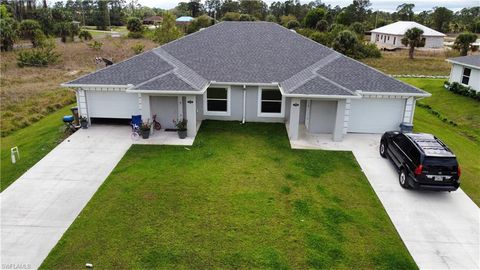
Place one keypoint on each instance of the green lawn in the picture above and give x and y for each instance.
(238, 198)
(464, 139)
(33, 142)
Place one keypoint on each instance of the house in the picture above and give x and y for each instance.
(249, 72)
(184, 20)
(466, 70)
(153, 20)
(390, 36)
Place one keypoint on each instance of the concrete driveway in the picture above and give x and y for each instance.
(441, 230)
(38, 208)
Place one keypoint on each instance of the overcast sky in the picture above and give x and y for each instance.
(386, 5)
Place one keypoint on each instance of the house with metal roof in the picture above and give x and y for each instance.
(390, 36)
(466, 70)
(249, 72)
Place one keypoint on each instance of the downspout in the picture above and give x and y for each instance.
(244, 103)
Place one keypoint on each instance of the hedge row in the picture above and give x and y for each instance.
(460, 89)
(436, 113)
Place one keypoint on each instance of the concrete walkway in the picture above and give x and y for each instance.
(441, 230)
(38, 208)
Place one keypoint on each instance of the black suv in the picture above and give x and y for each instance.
(423, 161)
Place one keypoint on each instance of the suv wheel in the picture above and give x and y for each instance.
(383, 149)
(403, 179)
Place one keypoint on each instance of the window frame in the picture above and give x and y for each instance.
(259, 103)
(465, 76)
(217, 113)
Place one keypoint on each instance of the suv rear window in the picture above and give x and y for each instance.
(441, 162)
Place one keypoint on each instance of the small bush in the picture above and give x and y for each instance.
(39, 57)
(135, 35)
(367, 51)
(96, 45)
(436, 113)
(138, 48)
(293, 24)
(85, 35)
(322, 38)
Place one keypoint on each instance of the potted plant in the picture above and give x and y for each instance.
(145, 129)
(84, 122)
(181, 128)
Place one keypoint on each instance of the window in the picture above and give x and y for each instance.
(466, 75)
(394, 40)
(217, 101)
(376, 37)
(270, 103)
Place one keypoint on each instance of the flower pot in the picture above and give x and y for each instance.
(145, 134)
(84, 124)
(182, 134)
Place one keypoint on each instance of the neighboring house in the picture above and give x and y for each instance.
(249, 72)
(184, 20)
(390, 36)
(153, 20)
(466, 70)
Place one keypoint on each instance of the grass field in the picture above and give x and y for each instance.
(463, 139)
(238, 198)
(424, 63)
(33, 142)
(30, 93)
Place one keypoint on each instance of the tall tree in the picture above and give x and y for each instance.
(314, 16)
(103, 15)
(441, 17)
(194, 6)
(167, 31)
(405, 12)
(413, 38)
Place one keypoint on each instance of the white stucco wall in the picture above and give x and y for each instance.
(456, 74)
(396, 41)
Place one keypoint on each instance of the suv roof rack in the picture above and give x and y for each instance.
(429, 144)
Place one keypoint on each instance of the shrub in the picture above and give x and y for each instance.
(135, 35)
(322, 26)
(29, 29)
(345, 42)
(38, 39)
(357, 27)
(85, 35)
(322, 38)
(463, 41)
(8, 33)
(38, 57)
(96, 45)
(138, 48)
(284, 19)
(231, 16)
(246, 18)
(293, 24)
(134, 25)
(367, 51)
(270, 18)
(460, 89)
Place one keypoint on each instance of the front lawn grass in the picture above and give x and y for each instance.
(463, 139)
(238, 198)
(33, 142)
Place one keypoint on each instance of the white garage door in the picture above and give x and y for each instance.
(375, 115)
(111, 104)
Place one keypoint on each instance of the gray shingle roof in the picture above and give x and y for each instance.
(321, 86)
(169, 81)
(134, 70)
(247, 52)
(473, 60)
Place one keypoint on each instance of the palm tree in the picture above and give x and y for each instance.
(413, 38)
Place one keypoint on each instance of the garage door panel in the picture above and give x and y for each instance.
(368, 115)
(112, 104)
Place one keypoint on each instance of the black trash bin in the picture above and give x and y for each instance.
(406, 127)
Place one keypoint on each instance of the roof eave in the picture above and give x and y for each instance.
(462, 64)
(80, 85)
(406, 94)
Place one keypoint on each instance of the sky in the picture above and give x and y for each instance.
(384, 5)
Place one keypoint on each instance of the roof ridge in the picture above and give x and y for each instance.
(336, 84)
(308, 73)
(184, 72)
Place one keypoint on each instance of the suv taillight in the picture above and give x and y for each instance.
(459, 171)
(419, 170)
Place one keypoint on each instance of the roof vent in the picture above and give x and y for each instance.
(293, 30)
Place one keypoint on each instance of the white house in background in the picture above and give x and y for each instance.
(249, 72)
(390, 36)
(466, 70)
